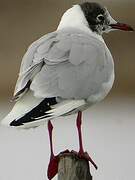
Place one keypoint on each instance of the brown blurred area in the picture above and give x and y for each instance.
(24, 21)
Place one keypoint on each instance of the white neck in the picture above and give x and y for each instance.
(75, 18)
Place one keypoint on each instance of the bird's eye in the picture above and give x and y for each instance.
(100, 18)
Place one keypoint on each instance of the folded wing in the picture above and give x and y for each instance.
(32, 63)
(72, 67)
(62, 64)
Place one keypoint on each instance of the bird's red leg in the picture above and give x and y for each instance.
(78, 124)
(53, 164)
(50, 129)
(81, 152)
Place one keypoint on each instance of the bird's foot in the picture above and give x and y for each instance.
(53, 164)
(54, 161)
(86, 156)
(52, 167)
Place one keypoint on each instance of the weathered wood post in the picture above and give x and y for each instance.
(73, 168)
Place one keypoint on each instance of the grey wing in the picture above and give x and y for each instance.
(32, 63)
(72, 68)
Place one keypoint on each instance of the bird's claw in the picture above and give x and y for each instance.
(53, 164)
(54, 161)
(52, 167)
(85, 155)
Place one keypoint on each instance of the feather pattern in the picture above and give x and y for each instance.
(76, 66)
(32, 63)
(71, 65)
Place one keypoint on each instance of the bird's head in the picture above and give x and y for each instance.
(100, 20)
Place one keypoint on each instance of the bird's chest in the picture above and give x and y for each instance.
(87, 79)
(94, 79)
(102, 80)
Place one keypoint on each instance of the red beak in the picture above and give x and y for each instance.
(121, 26)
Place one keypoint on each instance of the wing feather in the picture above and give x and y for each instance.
(61, 64)
(71, 67)
(32, 63)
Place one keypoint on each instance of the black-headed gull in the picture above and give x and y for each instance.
(65, 71)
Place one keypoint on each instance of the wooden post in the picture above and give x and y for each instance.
(73, 168)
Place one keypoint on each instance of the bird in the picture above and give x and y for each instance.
(66, 71)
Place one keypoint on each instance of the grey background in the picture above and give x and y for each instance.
(24, 21)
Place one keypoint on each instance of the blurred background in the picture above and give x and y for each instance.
(109, 126)
(24, 21)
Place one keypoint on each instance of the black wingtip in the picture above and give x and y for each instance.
(16, 123)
